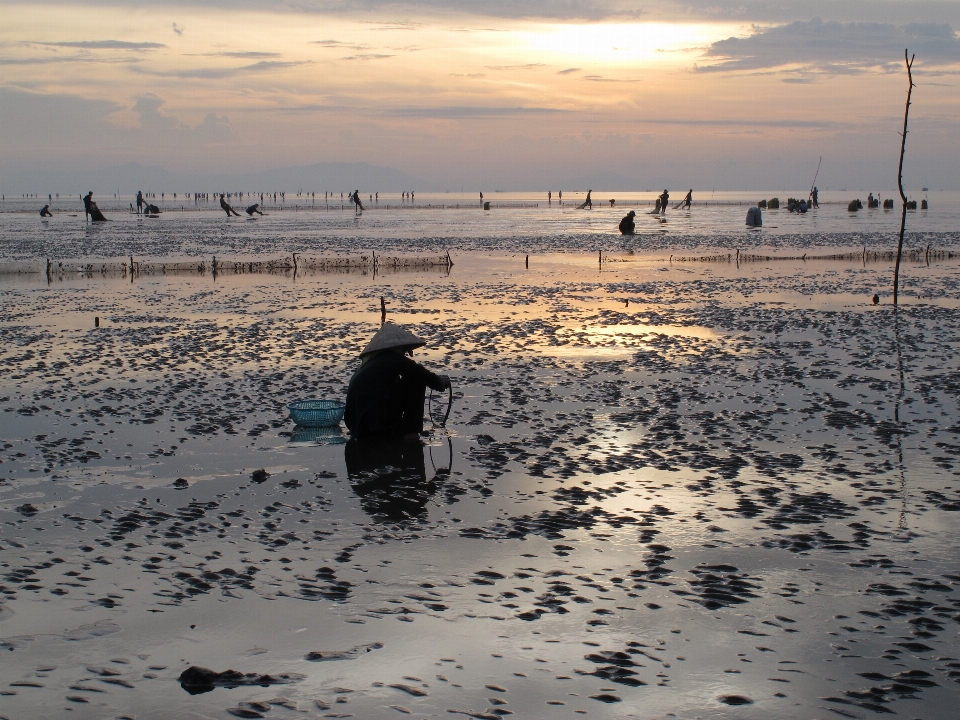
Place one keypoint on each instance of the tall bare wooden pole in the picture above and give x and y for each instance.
(903, 195)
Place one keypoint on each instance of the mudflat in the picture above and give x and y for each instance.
(689, 488)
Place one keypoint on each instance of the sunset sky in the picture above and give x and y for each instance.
(513, 95)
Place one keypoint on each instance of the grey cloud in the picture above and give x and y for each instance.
(64, 59)
(103, 45)
(339, 45)
(397, 12)
(159, 124)
(833, 47)
(178, 29)
(568, 71)
(775, 11)
(600, 78)
(805, 124)
(367, 56)
(243, 54)
(220, 73)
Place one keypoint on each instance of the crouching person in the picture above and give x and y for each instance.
(386, 393)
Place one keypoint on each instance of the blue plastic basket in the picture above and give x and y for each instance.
(317, 413)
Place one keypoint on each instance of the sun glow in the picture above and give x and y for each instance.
(623, 43)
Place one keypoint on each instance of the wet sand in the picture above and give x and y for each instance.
(664, 490)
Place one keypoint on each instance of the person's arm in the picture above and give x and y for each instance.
(432, 380)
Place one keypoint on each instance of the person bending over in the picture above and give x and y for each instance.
(627, 225)
(226, 206)
(386, 393)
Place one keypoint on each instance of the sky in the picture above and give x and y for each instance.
(501, 94)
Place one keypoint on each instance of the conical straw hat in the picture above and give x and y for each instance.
(391, 335)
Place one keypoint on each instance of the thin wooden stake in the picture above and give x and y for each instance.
(903, 195)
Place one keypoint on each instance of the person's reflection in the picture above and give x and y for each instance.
(390, 478)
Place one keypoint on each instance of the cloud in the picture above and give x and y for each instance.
(367, 56)
(178, 29)
(102, 45)
(158, 125)
(375, 25)
(527, 66)
(64, 59)
(568, 71)
(774, 11)
(339, 45)
(833, 47)
(733, 122)
(220, 73)
(458, 112)
(243, 54)
(600, 78)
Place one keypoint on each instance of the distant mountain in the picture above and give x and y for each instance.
(336, 177)
(615, 182)
(601, 181)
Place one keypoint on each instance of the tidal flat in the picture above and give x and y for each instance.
(664, 489)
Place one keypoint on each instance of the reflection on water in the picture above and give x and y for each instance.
(317, 435)
(390, 477)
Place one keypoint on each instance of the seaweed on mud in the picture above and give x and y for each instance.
(719, 586)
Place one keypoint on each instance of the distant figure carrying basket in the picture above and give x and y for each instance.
(90, 208)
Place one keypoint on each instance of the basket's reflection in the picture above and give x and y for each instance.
(317, 435)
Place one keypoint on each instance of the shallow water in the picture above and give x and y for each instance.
(441, 222)
(665, 489)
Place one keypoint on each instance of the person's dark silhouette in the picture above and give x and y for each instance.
(45, 211)
(139, 202)
(814, 195)
(226, 206)
(90, 208)
(627, 225)
(386, 393)
(255, 208)
(356, 200)
(588, 203)
(390, 478)
(687, 200)
(664, 199)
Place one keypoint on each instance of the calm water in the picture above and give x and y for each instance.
(665, 489)
(518, 222)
